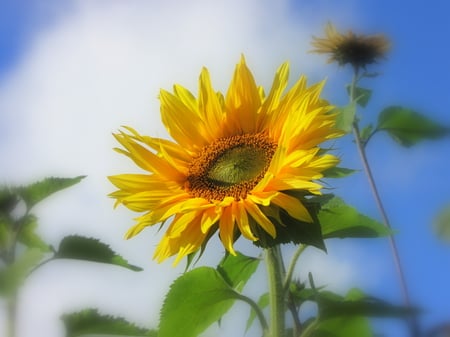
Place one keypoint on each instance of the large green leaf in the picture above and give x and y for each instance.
(28, 235)
(361, 95)
(12, 276)
(196, 300)
(339, 220)
(89, 249)
(38, 191)
(237, 270)
(345, 117)
(408, 127)
(90, 322)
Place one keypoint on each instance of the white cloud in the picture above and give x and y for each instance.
(100, 68)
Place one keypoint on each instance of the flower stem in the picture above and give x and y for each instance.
(414, 329)
(275, 272)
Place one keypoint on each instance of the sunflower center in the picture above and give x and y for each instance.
(230, 166)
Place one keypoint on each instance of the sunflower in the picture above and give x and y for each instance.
(236, 163)
(358, 50)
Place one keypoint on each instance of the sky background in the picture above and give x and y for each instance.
(73, 72)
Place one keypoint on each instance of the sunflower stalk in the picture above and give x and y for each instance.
(413, 324)
(277, 295)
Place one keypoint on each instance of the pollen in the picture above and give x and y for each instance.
(230, 166)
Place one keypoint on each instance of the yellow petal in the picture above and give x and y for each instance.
(260, 218)
(293, 206)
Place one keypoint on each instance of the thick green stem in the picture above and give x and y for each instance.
(11, 316)
(275, 272)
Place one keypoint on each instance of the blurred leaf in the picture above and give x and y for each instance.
(343, 327)
(195, 300)
(38, 191)
(237, 270)
(339, 220)
(4, 235)
(356, 303)
(12, 276)
(442, 224)
(28, 235)
(89, 322)
(89, 249)
(361, 95)
(366, 133)
(263, 302)
(408, 127)
(338, 172)
(345, 117)
(8, 201)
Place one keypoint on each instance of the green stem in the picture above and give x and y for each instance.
(414, 327)
(290, 271)
(258, 311)
(11, 316)
(275, 272)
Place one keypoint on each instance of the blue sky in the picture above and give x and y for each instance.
(71, 74)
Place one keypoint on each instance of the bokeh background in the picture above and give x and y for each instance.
(72, 72)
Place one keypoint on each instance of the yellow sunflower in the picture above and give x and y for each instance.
(237, 161)
(358, 50)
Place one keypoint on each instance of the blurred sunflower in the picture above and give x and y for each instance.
(237, 161)
(358, 50)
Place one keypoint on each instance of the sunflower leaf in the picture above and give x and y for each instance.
(442, 224)
(89, 249)
(408, 127)
(356, 303)
(34, 193)
(361, 95)
(195, 300)
(13, 275)
(338, 172)
(339, 220)
(237, 270)
(28, 235)
(343, 327)
(89, 321)
(289, 229)
(345, 117)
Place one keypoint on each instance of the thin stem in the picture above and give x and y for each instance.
(277, 303)
(379, 203)
(258, 311)
(11, 315)
(290, 271)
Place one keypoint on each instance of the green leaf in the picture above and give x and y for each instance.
(38, 191)
(339, 220)
(289, 229)
(408, 127)
(343, 327)
(345, 117)
(195, 300)
(13, 275)
(361, 95)
(366, 132)
(263, 302)
(89, 322)
(442, 224)
(356, 303)
(237, 270)
(28, 235)
(338, 172)
(90, 249)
